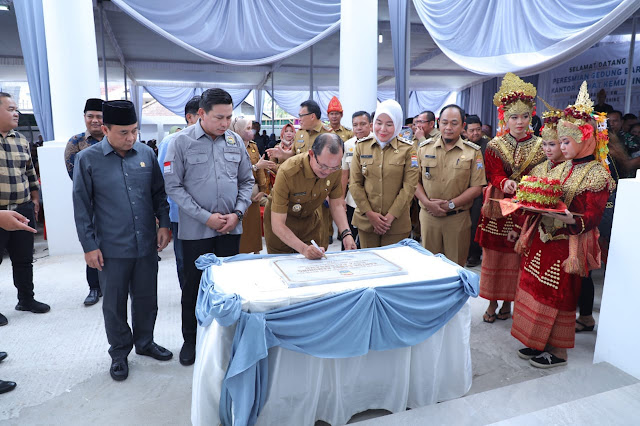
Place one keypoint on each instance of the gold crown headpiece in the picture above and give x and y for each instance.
(550, 117)
(514, 97)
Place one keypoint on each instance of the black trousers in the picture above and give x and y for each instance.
(353, 229)
(587, 294)
(19, 244)
(222, 246)
(92, 278)
(475, 250)
(120, 278)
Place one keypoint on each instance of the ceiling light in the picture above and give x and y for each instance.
(380, 38)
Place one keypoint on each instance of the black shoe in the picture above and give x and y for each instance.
(547, 360)
(92, 298)
(188, 353)
(528, 353)
(119, 369)
(33, 306)
(156, 351)
(473, 261)
(99, 293)
(3, 320)
(7, 386)
(3, 355)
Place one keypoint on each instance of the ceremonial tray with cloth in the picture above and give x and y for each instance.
(268, 354)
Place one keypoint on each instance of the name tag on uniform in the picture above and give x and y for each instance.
(429, 156)
(366, 156)
(300, 140)
(349, 154)
(167, 167)
(299, 194)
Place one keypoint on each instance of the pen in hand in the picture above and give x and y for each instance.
(318, 247)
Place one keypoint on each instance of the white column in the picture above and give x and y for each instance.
(358, 57)
(617, 343)
(70, 86)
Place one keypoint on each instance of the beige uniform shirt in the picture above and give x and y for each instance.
(447, 174)
(383, 180)
(344, 133)
(304, 138)
(298, 192)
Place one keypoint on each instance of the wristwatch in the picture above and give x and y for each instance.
(239, 214)
(451, 205)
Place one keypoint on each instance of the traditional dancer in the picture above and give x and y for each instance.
(509, 156)
(562, 248)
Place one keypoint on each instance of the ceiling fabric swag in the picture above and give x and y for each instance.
(490, 37)
(238, 32)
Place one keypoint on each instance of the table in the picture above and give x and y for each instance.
(303, 388)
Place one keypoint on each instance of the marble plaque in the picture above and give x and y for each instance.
(298, 271)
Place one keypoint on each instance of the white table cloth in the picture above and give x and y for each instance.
(302, 388)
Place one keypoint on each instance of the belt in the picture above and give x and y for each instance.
(452, 212)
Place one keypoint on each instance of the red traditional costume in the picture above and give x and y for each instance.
(505, 158)
(556, 255)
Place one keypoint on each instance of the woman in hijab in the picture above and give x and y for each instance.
(383, 179)
(251, 239)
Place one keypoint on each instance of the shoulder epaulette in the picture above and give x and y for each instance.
(407, 141)
(425, 142)
(327, 128)
(347, 128)
(472, 145)
(366, 138)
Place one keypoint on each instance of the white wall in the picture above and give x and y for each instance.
(618, 342)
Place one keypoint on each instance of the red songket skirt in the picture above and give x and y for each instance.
(499, 275)
(545, 307)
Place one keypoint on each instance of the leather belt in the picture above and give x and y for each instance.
(452, 212)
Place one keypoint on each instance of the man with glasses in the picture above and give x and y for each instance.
(425, 127)
(18, 192)
(310, 128)
(91, 136)
(291, 218)
(207, 173)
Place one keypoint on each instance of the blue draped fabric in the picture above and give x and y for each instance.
(463, 98)
(175, 98)
(383, 95)
(30, 21)
(426, 100)
(290, 100)
(400, 33)
(337, 326)
(258, 104)
(137, 93)
(493, 37)
(238, 32)
(489, 114)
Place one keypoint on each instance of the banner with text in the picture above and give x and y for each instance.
(604, 66)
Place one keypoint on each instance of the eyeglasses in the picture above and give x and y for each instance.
(325, 167)
(304, 115)
(422, 121)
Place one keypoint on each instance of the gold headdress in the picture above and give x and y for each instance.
(514, 97)
(578, 123)
(550, 118)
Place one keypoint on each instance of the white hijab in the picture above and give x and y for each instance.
(394, 111)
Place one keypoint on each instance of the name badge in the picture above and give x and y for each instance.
(366, 156)
(429, 156)
(300, 194)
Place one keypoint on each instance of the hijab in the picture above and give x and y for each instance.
(239, 125)
(394, 111)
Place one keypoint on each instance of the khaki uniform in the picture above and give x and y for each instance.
(445, 175)
(327, 221)
(383, 180)
(344, 133)
(304, 139)
(433, 135)
(298, 192)
(251, 238)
